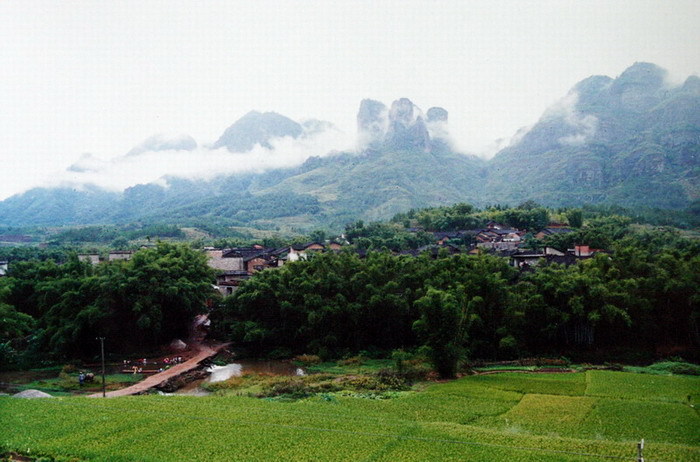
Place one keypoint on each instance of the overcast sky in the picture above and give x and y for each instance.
(99, 77)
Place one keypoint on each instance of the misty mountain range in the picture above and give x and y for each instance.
(632, 141)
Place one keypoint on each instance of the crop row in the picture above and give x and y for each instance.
(474, 418)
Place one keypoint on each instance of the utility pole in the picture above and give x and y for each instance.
(102, 345)
(640, 451)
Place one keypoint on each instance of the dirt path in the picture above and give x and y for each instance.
(204, 352)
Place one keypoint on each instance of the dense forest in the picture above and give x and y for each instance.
(635, 302)
(54, 312)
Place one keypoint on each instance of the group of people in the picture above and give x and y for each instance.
(85, 377)
(137, 369)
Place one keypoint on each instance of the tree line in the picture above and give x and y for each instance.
(52, 312)
(641, 298)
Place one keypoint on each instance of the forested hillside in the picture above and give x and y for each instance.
(633, 141)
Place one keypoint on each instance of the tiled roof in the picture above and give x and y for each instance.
(557, 230)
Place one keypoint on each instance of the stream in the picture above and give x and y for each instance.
(221, 373)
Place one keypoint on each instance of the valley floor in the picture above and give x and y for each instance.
(593, 415)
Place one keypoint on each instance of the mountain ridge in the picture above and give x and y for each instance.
(632, 140)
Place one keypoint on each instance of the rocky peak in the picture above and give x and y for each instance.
(438, 130)
(370, 114)
(407, 129)
(403, 111)
(371, 124)
(646, 75)
(402, 127)
(436, 114)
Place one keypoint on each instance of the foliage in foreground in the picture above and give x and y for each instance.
(480, 418)
(135, 304)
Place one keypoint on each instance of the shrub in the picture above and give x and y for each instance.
(384, 380)
(614, 367)
(545, 362)
(352, 361)
(69, 368)
(400, 358)
(307, 360)
(673, 367)
(290, 388)
(280, 353)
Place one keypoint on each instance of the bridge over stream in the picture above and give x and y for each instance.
(204, 352)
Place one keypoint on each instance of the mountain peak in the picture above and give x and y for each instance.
(437, 114)
(407, 129)
(257, 128)
(401, 127)
(642, 73)
(692, 85)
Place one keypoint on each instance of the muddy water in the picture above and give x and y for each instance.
(220, 373)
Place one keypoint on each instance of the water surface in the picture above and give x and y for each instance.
(237, 369)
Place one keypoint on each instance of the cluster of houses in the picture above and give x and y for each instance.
(235, 265)
(494, 236)
(114, 255)
(506, 242)
(527, 259)
(238, 264)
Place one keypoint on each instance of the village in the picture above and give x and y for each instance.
(237, 264)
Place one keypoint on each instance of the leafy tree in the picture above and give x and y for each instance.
(530, 218)
(575, 217)
(13, 324)
(120, 243)
(440, 326)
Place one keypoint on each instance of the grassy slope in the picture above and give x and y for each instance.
(593, 412)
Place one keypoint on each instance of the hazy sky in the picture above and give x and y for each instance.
(100, 77)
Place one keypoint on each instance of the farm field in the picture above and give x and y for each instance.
(594, 415)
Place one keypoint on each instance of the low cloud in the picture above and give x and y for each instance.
(583, 126)
(141, 166)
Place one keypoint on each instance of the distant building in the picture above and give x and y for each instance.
(3, 268)
(583, 251)
(551, 230)
(529, 259)
(120, 255)
(300, 251)
(237, 264)
(227, 282)
(90, 258)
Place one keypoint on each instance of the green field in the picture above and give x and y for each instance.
(594, 415)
